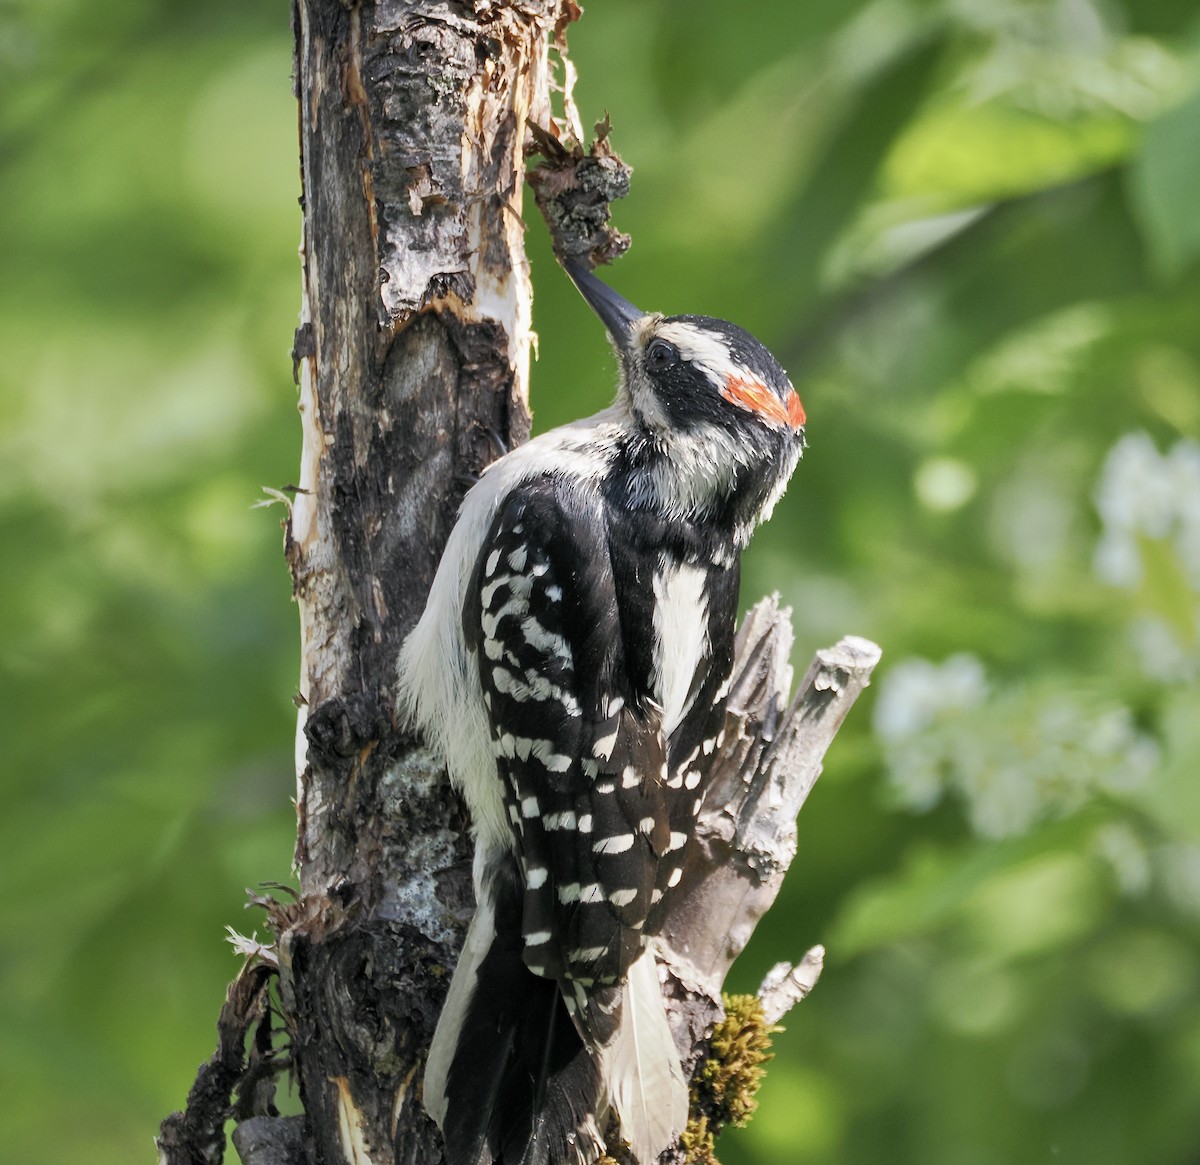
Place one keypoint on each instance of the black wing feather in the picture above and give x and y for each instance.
(571, 733)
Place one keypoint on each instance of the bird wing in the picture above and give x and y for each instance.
(581, 756)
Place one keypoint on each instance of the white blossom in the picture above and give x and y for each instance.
(1012, 757)
(915, 692)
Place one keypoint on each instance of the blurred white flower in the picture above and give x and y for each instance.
(1159, 650)
(1183, 463)
(1014, 757)
(1118, 560)
(1031, 519)
(915, 692)
(943, 484)
(1142, 492)
(1121, 847)
(1179, 865)
(1135, 491)
(1149, 504)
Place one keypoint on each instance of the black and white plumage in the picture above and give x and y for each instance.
(571, 669)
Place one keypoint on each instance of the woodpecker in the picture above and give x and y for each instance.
(571, 669)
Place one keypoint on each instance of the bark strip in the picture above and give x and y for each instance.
(413, 369)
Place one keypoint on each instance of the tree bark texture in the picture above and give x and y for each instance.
(412, 358)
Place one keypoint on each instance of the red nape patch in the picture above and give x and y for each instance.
(758, 398)
(795, 410)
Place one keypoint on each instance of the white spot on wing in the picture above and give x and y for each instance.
(440, 688)
(586, 954)
(604, 745)
(548, 641)
(488, 593)
(554, 762)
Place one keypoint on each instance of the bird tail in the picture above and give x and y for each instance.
(509, 1080)
(627, 1028)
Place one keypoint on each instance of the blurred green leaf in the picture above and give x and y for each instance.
(846, 172)
(940, 888)
(704, 50)
(1163, 184)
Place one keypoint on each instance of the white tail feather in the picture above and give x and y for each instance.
(445, 1039)
(640, 1067)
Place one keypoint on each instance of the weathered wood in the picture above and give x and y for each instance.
(196, 1135)
(413, 366)
(759, 779)
(768, 762)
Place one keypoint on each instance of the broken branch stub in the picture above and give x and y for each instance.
(769, 760)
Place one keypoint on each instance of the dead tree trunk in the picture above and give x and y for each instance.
(412, 360)
(413, 355)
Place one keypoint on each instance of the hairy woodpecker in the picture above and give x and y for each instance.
(571, 668)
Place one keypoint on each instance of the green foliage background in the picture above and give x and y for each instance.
(970, 228)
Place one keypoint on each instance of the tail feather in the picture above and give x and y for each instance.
(640, 1066)
(508, 1080)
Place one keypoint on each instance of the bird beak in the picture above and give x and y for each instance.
(618, 315)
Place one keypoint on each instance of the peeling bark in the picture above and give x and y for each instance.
(412, 361)
(417, 301)
(196, 1136)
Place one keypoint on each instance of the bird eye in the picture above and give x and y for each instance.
(661, 354)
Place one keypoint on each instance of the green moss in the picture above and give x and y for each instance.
(725, 1084)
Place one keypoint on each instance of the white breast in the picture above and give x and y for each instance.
(680, 637)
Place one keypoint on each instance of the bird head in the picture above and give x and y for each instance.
(710, 397)
(686, 370)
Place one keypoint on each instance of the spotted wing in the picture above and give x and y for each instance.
(581, 758)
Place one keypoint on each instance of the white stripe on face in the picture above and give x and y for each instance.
(705, 350)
